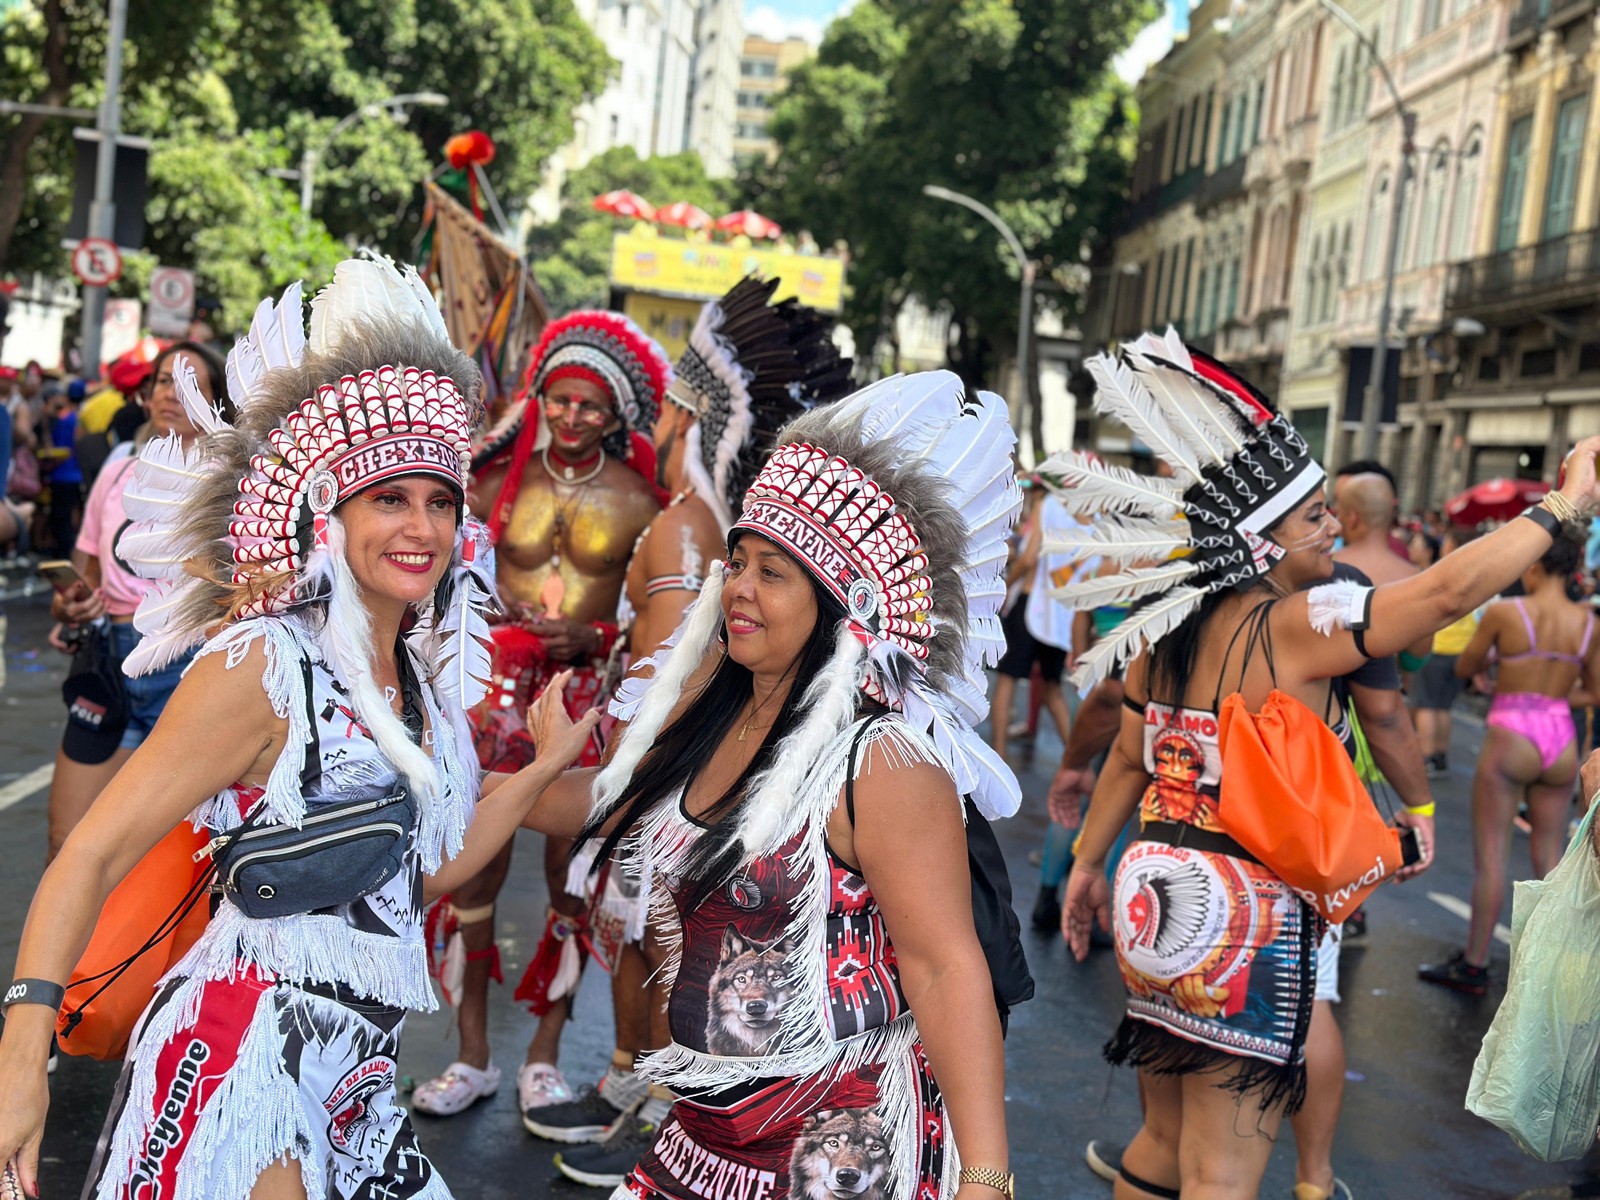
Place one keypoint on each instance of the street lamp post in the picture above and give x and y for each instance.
(393, 105)
(103, 210)
(1372, 394)
(1024, 307)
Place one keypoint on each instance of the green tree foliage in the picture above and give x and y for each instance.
(572, 254)
(1011, 102)
(231, 91)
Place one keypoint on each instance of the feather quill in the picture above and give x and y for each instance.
(1190, 409)
(1123, 540)
(1124, 586)
(1088, 487)
(1119, 394)
(1143, 628)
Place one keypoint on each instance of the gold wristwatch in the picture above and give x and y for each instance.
(1001, 1181)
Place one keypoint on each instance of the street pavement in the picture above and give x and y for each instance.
(1404, 1131)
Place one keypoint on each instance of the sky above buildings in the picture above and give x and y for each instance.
(780, 19)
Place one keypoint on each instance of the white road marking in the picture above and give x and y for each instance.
(35, 780)
(1464, 910)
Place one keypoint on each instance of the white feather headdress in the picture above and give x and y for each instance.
(1236, 468)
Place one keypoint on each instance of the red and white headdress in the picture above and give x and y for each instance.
(242, 523)
(899, 500)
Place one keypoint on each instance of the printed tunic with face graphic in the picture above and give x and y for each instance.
(280, 1036)
(1215, 950)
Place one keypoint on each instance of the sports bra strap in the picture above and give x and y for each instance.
(1527, 624)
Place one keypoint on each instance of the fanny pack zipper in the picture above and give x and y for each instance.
(295, 851)
(223, 839)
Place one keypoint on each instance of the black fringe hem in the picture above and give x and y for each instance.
(1149, 1047)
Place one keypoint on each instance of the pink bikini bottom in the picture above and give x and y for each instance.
(1546, 721)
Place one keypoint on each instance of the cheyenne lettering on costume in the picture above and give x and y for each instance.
(710, 1175)
(169, 1130)
(379, 459)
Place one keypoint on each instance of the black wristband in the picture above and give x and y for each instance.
(34, 991)
(1545, 520)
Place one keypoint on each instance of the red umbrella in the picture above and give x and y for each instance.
(1494, 500)
(683, 214)
(626, 204)
(751, 224)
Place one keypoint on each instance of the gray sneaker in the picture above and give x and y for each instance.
(611, 1162)
(589, 1118)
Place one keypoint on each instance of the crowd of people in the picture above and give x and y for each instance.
(725, 631)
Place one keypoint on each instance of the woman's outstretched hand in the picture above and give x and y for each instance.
(1580, 484)
(557, 738)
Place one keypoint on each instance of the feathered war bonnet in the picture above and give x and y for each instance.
(605, 349)
(899, 501)
(243, 523)
(750, 367)
(1237, 465)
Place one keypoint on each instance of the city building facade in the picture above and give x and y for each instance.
(764, 70)
(714, 99)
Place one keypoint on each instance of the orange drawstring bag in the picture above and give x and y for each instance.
(148, 923)
(1290, 796)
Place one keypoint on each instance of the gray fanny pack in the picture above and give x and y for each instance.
(342, 851)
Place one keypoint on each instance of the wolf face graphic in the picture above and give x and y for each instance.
(841, 1154)
(748, 992)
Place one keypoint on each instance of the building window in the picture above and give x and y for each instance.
(1336, 94)
(758, 68)
(1563, 191)
(1513, 182)
(1465, 208)
(1308, 298)
(1180, 305)
(1261, 102)
(1231, 303)
(1425, 249)
(1377, 213)
(1432, 14)
(1202, 314)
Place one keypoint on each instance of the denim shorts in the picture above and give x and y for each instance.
(147, 694)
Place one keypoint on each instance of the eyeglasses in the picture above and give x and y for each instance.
(586, 411)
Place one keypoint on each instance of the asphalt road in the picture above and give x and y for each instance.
(1404, 1131)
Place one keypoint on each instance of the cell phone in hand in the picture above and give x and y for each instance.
(1410, 847)
(62, 575)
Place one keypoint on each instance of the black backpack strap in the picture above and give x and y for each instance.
(850, 770)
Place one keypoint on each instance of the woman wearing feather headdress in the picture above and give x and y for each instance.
(1229, 622)
(318, 556)
(833, 1026)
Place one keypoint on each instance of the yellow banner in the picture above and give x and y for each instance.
(665, 318)
(703, 271)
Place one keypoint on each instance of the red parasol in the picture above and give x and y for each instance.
(684, 215)
(623, 203)
(1494, 500)
(751, 224)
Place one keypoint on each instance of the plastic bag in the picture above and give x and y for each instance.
(1538, 1073)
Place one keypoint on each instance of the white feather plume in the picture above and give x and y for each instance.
(1123, 540)
(1119, 394)
(204, 415)
(164, 635)
(157, 496)
(373, 289)
(974, 766)
(456, 642)
(1123, 586)
(1143, 628)
(1087, 487)
(276, 339)
(1168, 346)
(1192, 407)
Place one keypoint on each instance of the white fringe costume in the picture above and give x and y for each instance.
(787, 1016)
(278, 1037)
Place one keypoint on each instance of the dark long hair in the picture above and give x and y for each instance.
(685, 746)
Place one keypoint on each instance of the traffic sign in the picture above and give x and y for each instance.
(171, 301)
(97, 261)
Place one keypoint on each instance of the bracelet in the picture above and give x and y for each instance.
(1001, 1181)
(1421, 810)
(1544, 519)
(34, 991)
(1563, 509)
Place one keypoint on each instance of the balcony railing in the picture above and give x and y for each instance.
(1530, 16)
(1563, 270)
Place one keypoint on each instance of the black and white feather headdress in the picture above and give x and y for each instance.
(1237, 465)
(751, 366)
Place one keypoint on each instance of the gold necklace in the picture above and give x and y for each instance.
(745, 728)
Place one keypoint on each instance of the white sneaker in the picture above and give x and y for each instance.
(459, 1088)
(540, 1085)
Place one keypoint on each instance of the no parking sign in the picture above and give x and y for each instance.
(171, 301)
